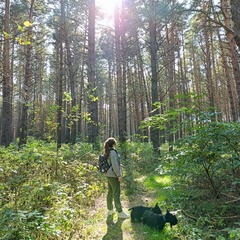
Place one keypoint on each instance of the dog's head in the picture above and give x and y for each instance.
(172, 219)
(157, 209)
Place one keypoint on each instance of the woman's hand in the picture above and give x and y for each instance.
(120, 179)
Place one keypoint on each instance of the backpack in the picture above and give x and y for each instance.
(103, 164)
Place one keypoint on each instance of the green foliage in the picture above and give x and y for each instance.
(23, 225)
(200, 177)
(207, 165)
(136, 157)
(67, 97)
(212, 154)
(25, 38)
(41, 189)
(48, 195)
(234, 233)
(184, 116)
(50, 124)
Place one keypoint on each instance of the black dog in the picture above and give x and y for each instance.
(138, 211)
(158, 221)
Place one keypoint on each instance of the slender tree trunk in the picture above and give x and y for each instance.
(145, 102)
(197, 86)
(111, 105)
(7, 132)
(26, 84)
(208, 67)
(232, 50)
(40, 102)
(71, 77)
(227, 76)
(153, 55)
(12, 72)
(215, 81)
(171, 70)
(235, 9)
(60, 74)
(123, 116)
(92, 99)
(183, 89)
(121, 130)
(81, 123)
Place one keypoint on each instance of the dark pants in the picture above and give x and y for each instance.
(113, 194)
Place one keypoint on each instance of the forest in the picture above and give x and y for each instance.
(161, 76)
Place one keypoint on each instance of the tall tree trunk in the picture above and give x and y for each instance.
(92, 100)
(81, 102)
(71, 77)
(7, 132)
(232, 50)
(227, 75)
(208, 67)
(171, 70)
(215, 80)
(26, 84)
(144, 92)
(111, 105)
(153, 55)
(59, 46)
(183, 89)
(235, 9)
(123, 115)
(40, 100)
(12, 72)
(121, 129)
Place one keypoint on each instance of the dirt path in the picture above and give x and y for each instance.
(99, 226)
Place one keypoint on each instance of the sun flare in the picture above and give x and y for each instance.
(108, 6)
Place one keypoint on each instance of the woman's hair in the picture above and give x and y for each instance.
(108, 145)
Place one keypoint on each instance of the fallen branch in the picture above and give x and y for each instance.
(235, 200)
(221, 217)
(227, 195)
(189, 216)
(231, 201)
(228, 217)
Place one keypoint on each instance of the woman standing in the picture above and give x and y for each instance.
(114, 178)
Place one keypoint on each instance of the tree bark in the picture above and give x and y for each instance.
(120, 96)
(171, 70)
(225, 66)
(92, 100)
(153, 55)
(59, 46)
(71, 77)
(235, 9)
(26, 84)
(7, 89)
(123, 115)
(233, 52)
(208, 67)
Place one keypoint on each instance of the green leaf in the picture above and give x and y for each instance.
(20, 28)
(27, 24)
(67, 97)
(6, 35)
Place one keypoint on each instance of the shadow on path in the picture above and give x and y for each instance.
(114, 230)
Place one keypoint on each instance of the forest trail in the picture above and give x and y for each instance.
(100, 226)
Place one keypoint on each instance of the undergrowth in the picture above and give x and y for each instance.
(44, 192)
(47, 194)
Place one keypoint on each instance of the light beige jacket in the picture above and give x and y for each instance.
(115, 162)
